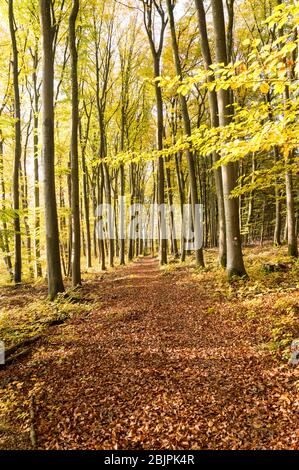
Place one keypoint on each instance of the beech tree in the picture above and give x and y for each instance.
(214, 117)
(18, 148)
(151, 8)
(48, 27)
(235, 264)
(76, 242)
(187, 129)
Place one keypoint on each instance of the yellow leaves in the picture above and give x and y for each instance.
(279, 88)
(234, 84)
(264, 88)
(183, 89)
(256, 42)
(168, 82)
(211, 86)
(246, 42)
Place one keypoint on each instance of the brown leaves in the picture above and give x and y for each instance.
(161, 365)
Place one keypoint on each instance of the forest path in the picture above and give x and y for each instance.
(157, 366)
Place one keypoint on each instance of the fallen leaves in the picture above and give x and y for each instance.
(160, 364)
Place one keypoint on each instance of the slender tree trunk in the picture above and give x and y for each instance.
(150, 9)
(161, 177)
(171, 214)
(182, 202)
(213, 106)
(290, 195)
(38, 267)
(17, 149)
(100, 182)
(107, 180)
(55, 283)
(69, 242)
(250, 201)
(263, 222)
(122, 215)
(291, 222)
(76, 234)
(4, 233)
(122, 168)
(25, 205)
(86, 199)
(235, 264)
(132, 200)
(187, 129)
(278, 221)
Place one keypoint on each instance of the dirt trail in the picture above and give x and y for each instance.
(158, 366)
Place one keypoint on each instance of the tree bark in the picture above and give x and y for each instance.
(55, 283)
(76, 234)
(187, 129)
(235, 264)
(17, 148)
(85, 190)
(149, 9)
(38, 267)
(213, 106)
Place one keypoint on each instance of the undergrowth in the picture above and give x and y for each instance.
(266, 302)
(19, 322)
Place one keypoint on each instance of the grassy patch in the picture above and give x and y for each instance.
(19, 321)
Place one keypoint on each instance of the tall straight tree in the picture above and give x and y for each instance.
(76, 242)
(151, 9)
(35, 106)
(187, 130)
(48, 28)
(235, 264)
(18, 147)
(214, 118)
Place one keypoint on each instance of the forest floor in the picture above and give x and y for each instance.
(155, 358)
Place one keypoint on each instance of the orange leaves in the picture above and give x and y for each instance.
(164, 362)
(264, 88)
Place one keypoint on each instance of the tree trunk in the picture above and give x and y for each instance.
(235, 264)
(86, 193)
(278, 222)
(101, 240)
(55, 283)
(4, 232)
(150, 9)
(25, 205)
(76, 234)
(38, 267)
(187, 129)
(161, 177)
(122, 215)
(213, 106)
(292, 236)
(17, 148)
